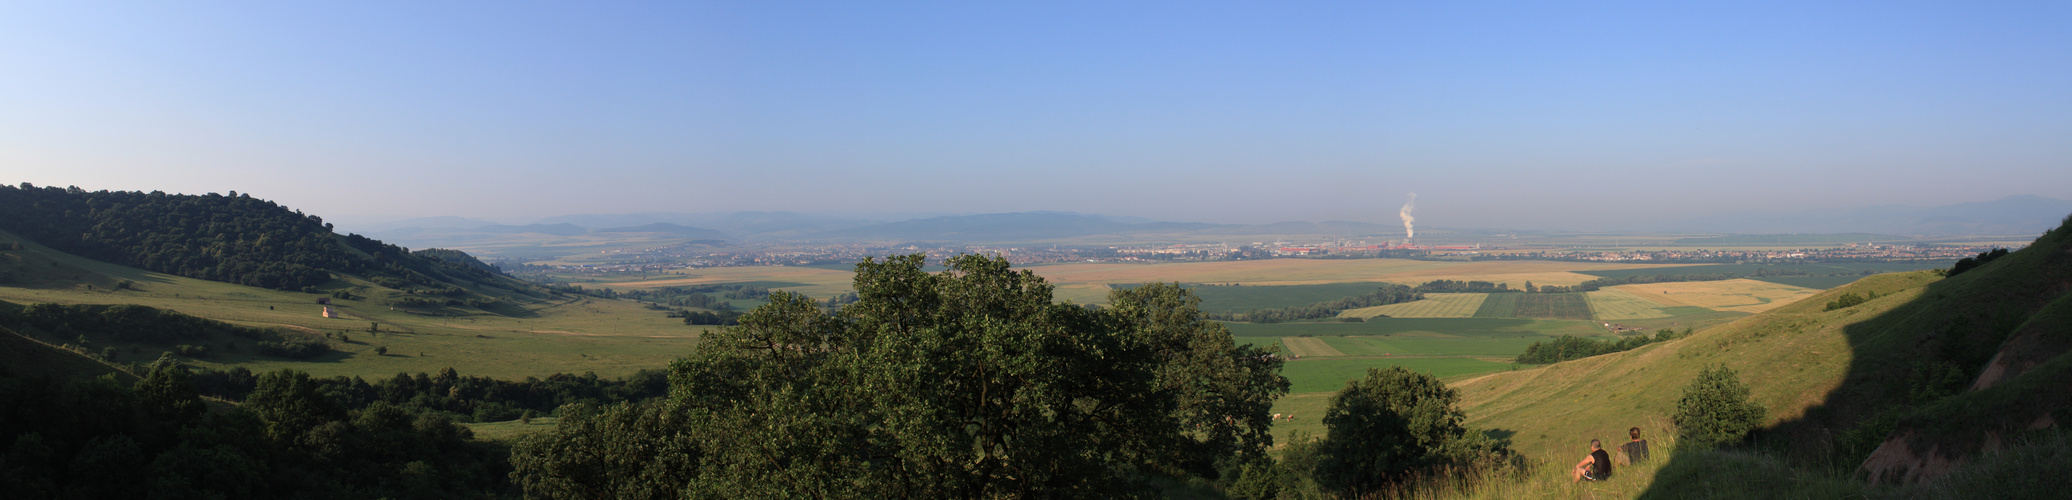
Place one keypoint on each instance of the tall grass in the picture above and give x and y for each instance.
(1672, 472)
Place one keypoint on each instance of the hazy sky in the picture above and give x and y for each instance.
(1506, 115)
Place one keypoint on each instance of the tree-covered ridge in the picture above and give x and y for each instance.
(234, 238)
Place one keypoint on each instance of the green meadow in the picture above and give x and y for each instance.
(534, 337)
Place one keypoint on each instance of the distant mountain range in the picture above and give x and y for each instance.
(2011, 216)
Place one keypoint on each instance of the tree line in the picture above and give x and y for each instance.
(97, 438)
(1567, 347)
(1387, 293)
(152, 326)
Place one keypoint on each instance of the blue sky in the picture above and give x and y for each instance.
(1532, 114)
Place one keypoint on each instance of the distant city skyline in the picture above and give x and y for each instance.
(1520, 115)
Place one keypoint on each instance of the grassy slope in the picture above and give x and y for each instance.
(1791, 356)
(571, 335)
(1819, 373)
(29, 358)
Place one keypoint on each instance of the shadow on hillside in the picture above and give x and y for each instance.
(1904, 361)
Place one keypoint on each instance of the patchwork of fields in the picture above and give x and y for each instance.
(1087, 283)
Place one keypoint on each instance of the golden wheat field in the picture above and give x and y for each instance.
(1615, 304)
(1739, 295)
(1434, 305)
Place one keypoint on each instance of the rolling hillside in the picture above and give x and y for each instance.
(1904, 388)
(413, 311)
(237, 239)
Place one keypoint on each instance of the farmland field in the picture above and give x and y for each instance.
(1499, 305)
(1308, 347)
(1552, 306)
(1333, 352)
(1740, 295)
(1330, 374)
(1425, 346)
(1425, 327)
(812, 282)
(1680, 318)
(1615, 304)
(1086, 283)
(1434, 305)
(1236, 299)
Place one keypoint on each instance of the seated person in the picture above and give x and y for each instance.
(1636, 451)
(1597, 466)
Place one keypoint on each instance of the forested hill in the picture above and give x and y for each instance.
(234, 238)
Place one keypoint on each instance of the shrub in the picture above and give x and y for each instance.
(1392, 426)
(1715, 409)
(297, 348)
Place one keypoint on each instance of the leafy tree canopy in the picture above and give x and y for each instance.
(968, 383)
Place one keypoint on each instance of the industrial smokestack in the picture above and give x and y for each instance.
(1409, 230)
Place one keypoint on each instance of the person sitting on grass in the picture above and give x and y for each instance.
(1597, 466)
(1636, 451)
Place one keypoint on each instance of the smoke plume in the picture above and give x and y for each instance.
(1409, 230)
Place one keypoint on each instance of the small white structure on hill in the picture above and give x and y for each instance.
(328, 313)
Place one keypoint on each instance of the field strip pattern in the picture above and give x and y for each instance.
(1308, 347)
(1434, 305)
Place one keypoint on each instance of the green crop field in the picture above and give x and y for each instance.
(1426, 327)
(1235, 299)
(1552, 306)
(1434, 305)
(1499, 305)
(511, 430)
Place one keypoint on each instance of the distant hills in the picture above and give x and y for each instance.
(2011, 216)
(1019, 227)
(2014, 215)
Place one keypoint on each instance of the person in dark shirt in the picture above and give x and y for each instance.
(1636, 451)
(1596, 466)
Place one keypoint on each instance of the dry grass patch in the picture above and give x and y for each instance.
(1614, 304)
(1740, 295)
(1308, 346)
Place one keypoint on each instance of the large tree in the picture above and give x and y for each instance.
(967, 383)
